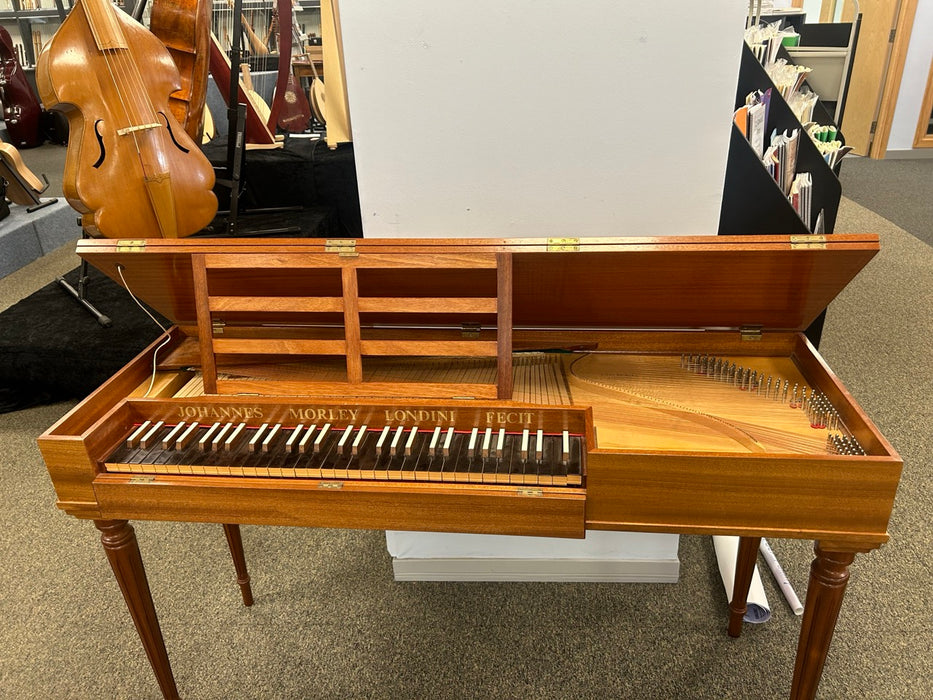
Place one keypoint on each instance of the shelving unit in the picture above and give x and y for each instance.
(752, 202)
(22, 20)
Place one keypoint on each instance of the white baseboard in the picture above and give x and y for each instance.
(559, 570)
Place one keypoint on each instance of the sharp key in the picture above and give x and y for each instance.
(471, 448)
(320, 438)
(487, 439)
(168, 440)
(207, 437)
(524, 449)
(500, 443)
(382, 440)
(133, 440)
(396, 439)
(411, 440)
(218, 440)
(355, 447)
(270, 436)
(234, 438)
(292, 441)
(565, 447)
(187, 437)
(342, 443)
(539, 446)
(306, 440)
(434, 446)
(147, 439)
(447, 441)
(256, 440)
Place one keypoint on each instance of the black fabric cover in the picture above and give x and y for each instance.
(52, 349)
(304, 173)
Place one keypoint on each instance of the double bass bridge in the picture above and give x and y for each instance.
(137, 127)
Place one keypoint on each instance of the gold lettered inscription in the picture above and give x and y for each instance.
(220, 413)
(508, 418)
(329, 414)
(422, 416)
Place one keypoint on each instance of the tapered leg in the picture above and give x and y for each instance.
(744, 569)
(119, 540)
(235, 542)
(829, 575)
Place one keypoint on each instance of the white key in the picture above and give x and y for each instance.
(539, 446)
(382, 439)
(565, 445)
(218, 440)
(410, 441)
(524, 444)
(236, 435)
(355, 447)
(343, 438)
(500, 443)
(292, 441)
(320, 438)
(256, 440)
(487, 439)
(133, 440)
(185, 439)
(172, 436)
(147, 439)
(435, 439)
(395, 440)
(207, 437)
(449, 439)
(303, 445)
(471, 448)
(270, 436)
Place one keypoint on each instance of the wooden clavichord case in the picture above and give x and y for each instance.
(517, 387)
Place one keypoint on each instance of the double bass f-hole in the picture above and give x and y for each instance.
(171, 133)
(100, 142)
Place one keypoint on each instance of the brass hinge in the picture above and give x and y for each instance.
(218, 325)
(344, 247)
(750, 332)
(131, 246)
(563, 245)
(891, 36)
(470, 330)
(142, 479)
(536, 493)
(332, 485)
(817, 241)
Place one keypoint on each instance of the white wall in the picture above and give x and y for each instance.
(913, 81)
(540, 118)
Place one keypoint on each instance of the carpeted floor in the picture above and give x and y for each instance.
(899, 190)
(329, 621)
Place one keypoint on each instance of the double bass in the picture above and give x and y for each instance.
(21, 108)
(130, 168)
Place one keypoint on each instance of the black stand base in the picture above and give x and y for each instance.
(80, 295)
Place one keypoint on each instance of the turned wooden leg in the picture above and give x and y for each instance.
(829, 575)
(235, 542)
(119, 540)
(744, 569)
